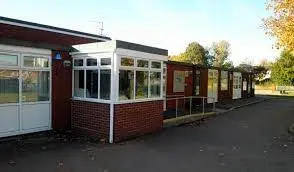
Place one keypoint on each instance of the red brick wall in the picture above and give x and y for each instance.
(91, 118)
(135, 119)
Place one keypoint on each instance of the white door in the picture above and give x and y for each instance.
(237, 84)
(212, 89)
(25, 90)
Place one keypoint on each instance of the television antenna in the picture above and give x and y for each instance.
(100, 26)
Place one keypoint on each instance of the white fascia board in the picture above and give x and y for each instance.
(51, 30)
(22, 49)
(132, 53)
(91, 48)
(93, 54)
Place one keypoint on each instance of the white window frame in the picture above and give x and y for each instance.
(36, 69)
(98, 67)
(134, 68)
(18, 60)
(20, 68)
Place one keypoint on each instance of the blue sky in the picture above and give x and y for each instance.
(170, 24)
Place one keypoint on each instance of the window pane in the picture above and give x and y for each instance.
(141, 84)
(92, 84)
(91, 62)
(164, 70)
(224, 80)
(35, 61)
(9, 86)
(155, 81)
(8, 60)
(79, 83)
(35, 86)
(126, 85)
(105, 81)
(78, 62)
(142, 63)
(197, 85)
(127, 62)
(245, 85)
(156, 65)
(105, 61)
(164, 84)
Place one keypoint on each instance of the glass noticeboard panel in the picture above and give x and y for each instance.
(179, 81)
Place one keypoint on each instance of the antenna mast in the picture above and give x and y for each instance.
(100, 26)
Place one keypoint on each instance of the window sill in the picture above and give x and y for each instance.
(91, 100)
(138, 100)
(117, 102)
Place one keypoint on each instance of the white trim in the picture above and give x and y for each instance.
(21, 52)
(82, 53)
(132, 53)
(91, 100)
(138, 100)
(52, 30)
(22, 49)
(111, 122)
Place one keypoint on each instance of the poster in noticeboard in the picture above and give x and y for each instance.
(179, 81)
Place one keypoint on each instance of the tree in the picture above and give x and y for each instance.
(209, 57)
(228, 65)
(283, 69)
(220, 51)
(195, 54)
(281, 24)
(245, 67)
(259, 72)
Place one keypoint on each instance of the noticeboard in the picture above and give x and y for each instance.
(179, 81)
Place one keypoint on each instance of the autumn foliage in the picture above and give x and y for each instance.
(281, 23)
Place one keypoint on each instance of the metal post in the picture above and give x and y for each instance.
(203, 106)
(190, 105)
(213, 105)
(176, 107)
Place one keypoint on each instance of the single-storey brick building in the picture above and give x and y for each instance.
(59, 79)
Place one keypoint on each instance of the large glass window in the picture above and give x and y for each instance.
(35, 86)
(8, 60)
(155, 82)
(78, 83)
(105, 61)
(92, 80)
(141, 84)
(78, 62)
(127, 62)
(91, 62)
(9, 86)
(105, 81)
(126, 84)
(30, 61)
(148, 79)
(92, 84)
(224, 80)
(156, 65)
(142, 63)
